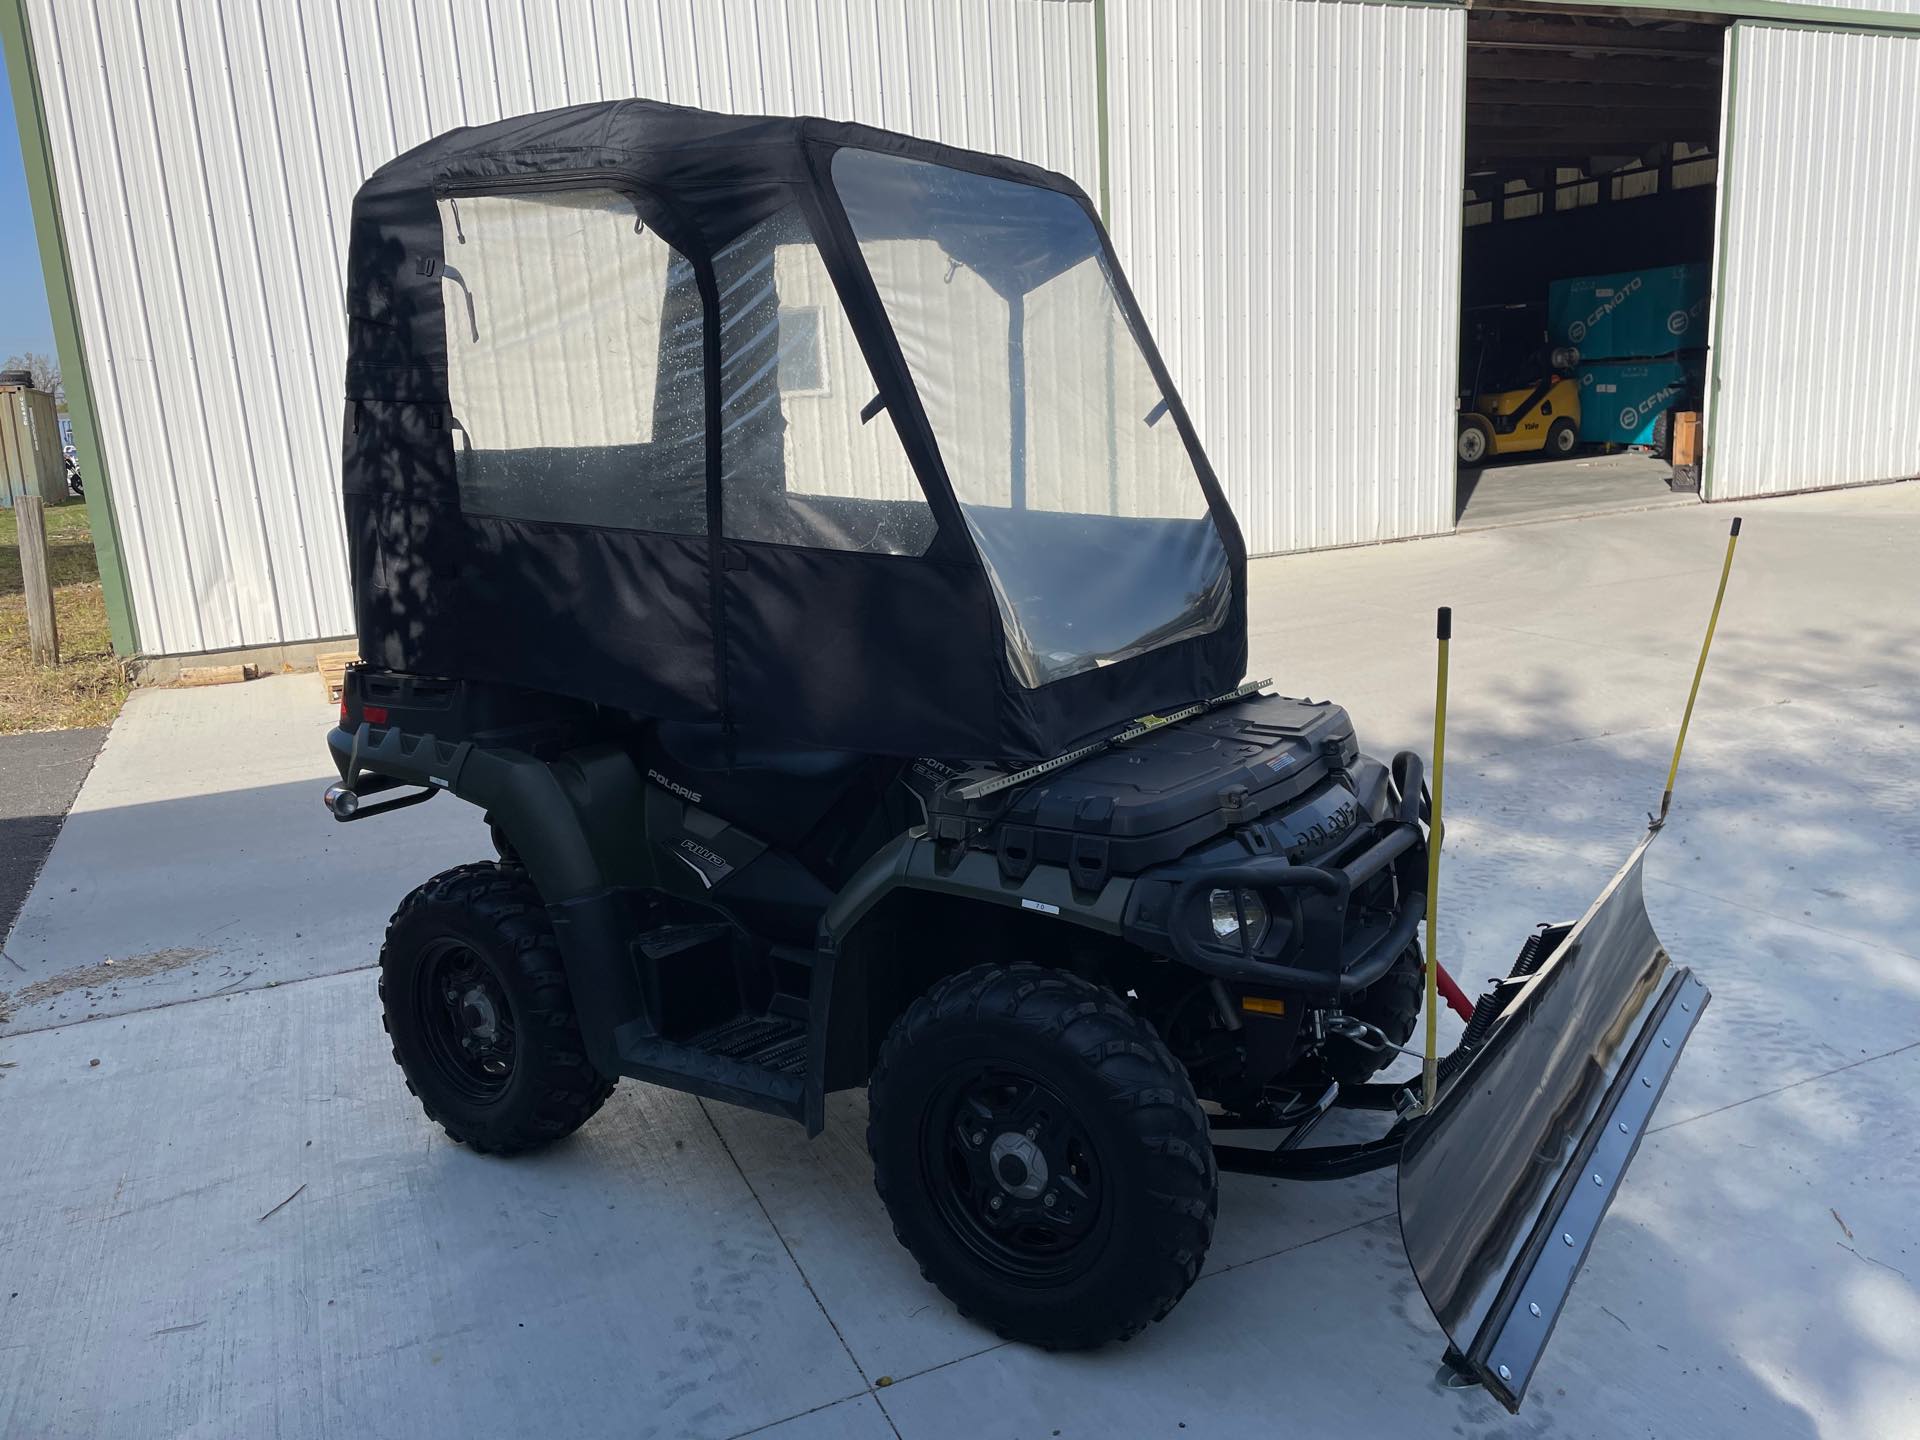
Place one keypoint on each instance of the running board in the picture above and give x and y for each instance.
(755, 1061)
(773, 1062)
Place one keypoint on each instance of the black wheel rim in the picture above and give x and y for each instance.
(466, 1023)
(1013, 1173)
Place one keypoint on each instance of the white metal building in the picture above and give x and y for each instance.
(1284, 180)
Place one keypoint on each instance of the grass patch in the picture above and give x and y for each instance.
(87, 687)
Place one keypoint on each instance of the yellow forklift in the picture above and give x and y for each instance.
(1523, 420)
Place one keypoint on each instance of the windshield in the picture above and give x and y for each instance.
(1074, 479)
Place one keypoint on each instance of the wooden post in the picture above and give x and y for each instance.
(42, 633)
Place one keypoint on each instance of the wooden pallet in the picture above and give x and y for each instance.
(332, 666)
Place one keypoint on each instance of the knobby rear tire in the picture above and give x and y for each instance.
(552, 1087)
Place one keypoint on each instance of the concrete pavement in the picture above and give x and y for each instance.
(238, 1223)
(1526, 489)
(198, 860)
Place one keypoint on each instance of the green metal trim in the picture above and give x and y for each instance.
(1788, 12)
(1722, 243)
(37, 156)
(1816, 17)
(1100, 110)
(1458, 308)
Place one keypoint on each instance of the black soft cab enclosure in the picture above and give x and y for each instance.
(803, 429)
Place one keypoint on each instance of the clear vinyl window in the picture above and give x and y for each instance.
(574, 362)
(806, 458)
(1076, 483)
(803, 362)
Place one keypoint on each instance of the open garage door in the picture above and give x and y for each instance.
(1817, 299)
(1592, 145)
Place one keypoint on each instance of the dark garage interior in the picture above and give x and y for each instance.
(1591, 169)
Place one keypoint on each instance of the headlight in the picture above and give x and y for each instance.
(1225, 915)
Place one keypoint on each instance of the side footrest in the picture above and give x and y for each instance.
(771, 1042)
(756, 1061)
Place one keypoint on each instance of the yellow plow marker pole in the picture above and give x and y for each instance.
(1673, 770)
(1429, 1070)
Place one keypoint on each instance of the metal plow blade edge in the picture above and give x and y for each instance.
(1503, 1186)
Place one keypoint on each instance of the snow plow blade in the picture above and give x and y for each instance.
(1503, 1186)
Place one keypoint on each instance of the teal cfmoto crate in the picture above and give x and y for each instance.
(1631, 314)
(1621, 400)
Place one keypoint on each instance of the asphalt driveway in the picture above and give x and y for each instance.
(39, 776)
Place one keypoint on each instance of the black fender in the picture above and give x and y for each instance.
(870, 987)
(571, 821)
(912, 862)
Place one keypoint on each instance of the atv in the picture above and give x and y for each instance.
(787, 533)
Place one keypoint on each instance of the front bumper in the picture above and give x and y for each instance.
(1321, 945)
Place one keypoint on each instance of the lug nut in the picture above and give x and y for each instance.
(1050, 1201)
(994, 1203)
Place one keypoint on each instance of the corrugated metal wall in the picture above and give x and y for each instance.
(207, 154)
(1286, 192)
(1818, 300)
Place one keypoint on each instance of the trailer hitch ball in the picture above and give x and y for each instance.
(341, 800)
